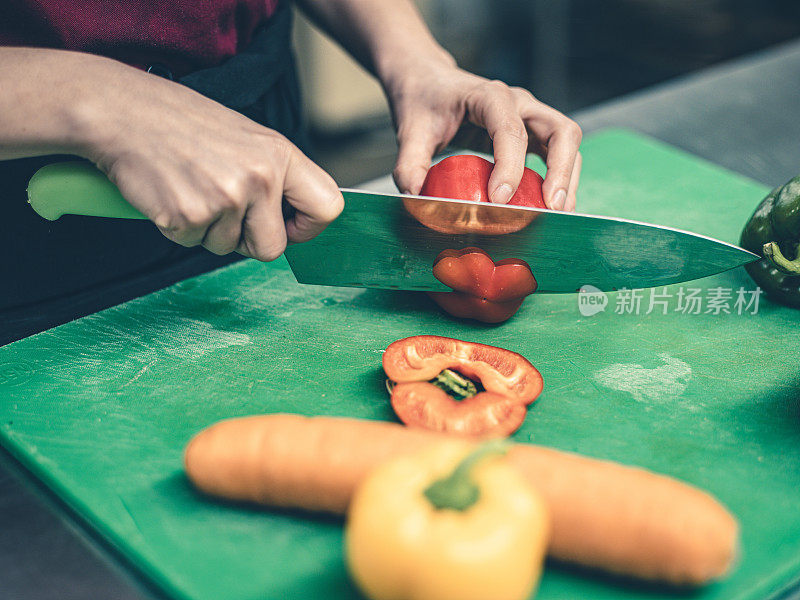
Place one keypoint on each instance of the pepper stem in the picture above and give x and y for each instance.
(773, 252)
(458, 491)
(455, 384)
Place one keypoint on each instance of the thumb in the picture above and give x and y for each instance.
(416, 146)
(313, 194)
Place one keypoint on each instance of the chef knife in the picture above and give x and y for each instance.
(390, 241)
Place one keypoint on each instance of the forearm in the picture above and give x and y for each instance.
(48, 100)
(388, 37)
(203, 173)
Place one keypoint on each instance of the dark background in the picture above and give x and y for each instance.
(570, 54)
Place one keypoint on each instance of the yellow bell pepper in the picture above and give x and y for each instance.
(455, 522)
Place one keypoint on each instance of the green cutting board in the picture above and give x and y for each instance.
(101, 408)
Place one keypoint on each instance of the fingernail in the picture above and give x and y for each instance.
(559, 200)
(502, 194)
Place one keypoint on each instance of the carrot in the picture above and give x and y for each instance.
(620, 519)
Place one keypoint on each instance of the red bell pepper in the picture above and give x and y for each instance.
(464, 306)
(459, 387)
(484, 290)
(466, 177)
(472, 271)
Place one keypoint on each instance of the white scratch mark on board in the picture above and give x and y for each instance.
(660, 383)
(141, 372)
(186, 338)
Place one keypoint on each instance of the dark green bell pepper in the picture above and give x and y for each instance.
(774, 233)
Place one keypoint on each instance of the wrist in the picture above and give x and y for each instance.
(399, 69)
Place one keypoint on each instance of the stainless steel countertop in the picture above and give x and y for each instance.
(743, 115)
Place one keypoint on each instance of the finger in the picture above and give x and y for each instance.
(561, 139)
(560, 151)
(416, 147)
(177, 215)
(573, 184)
(224, 234)
(263, 230)
(496, 110)
(186, 222)
(313, 194)
(181, 234)
(556, 139)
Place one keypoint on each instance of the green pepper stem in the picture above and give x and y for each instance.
(773, 252)
(455, 384)
(458, 491)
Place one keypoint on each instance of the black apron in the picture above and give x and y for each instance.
(53, 272)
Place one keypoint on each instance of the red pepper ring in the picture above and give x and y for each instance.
(422, 404)
(423, 357)
(510, 383)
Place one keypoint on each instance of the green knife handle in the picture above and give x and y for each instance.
(77, 188)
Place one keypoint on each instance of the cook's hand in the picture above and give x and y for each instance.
(204, 174)
(435, 105)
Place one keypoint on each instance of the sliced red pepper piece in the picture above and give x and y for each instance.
(424, 405)
(485, 290)
(423, 357)
(466, 306)
(472, 271)
(509, 381)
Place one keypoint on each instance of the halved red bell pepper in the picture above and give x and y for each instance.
(484, 290)
(460, 387)
(466, 177)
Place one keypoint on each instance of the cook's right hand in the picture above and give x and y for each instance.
(204, 174)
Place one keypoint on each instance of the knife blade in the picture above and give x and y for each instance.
(390, 241)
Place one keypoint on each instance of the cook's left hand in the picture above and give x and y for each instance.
(439, 104)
